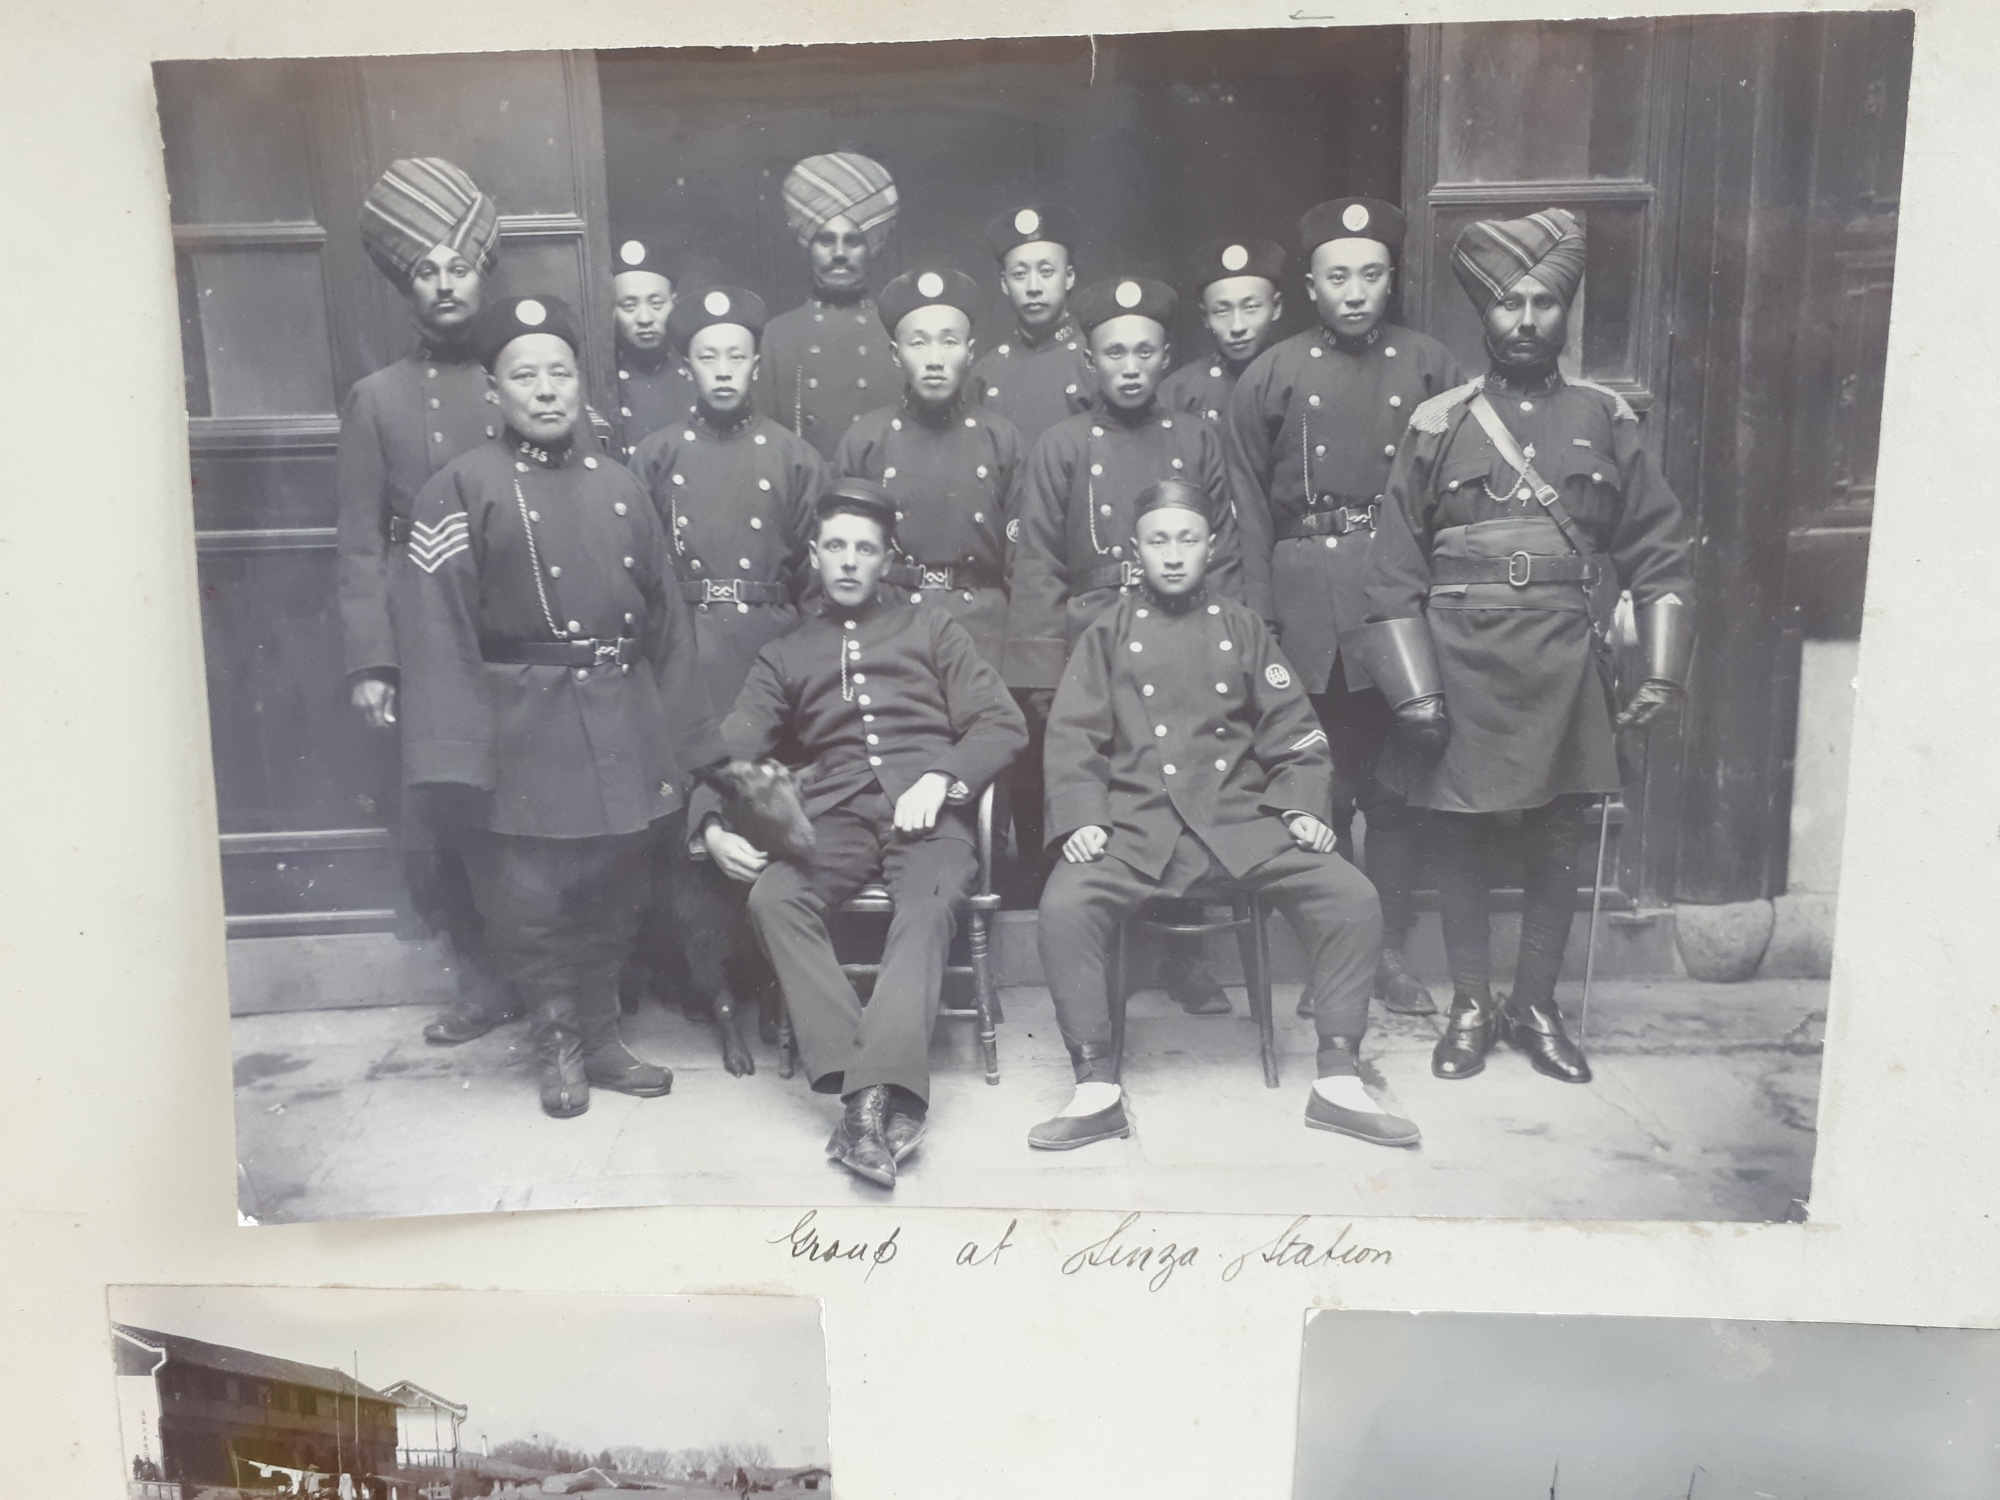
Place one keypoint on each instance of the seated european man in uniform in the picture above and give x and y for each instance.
(902, 725)
(1181, 753)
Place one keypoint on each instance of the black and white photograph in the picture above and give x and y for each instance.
(238, 1392)
(1232, 621)
(1471, 1406)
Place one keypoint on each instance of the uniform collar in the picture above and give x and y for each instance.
(731, 426)
(1179, 604)
(858, 298)
(646, 362)
(1530, 383)
(1063, 327)
(1105, 412)
(1361, 345)
(936, 418)
(832, 609)
(438, 350)
(543, 455)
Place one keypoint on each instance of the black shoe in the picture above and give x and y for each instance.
(609, 1064)
(1067, 1132)
(1376, 1127)
(565, 1088)
(865, 1153)
(1469, 1034)
(1538, 1031)
(466, 1020)
(1195, 990)
(903, 1123)
(1399, 990)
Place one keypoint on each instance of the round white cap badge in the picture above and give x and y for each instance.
(716, 304)
(1027, 221)
(930, 284)
(530, 313)
(1129, 294)
(1235, 258)
(632, 253)
(1354, 217)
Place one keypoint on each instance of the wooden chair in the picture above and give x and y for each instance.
(1247, 916)
(875, 901)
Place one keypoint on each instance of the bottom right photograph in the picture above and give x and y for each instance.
(1472, 1406)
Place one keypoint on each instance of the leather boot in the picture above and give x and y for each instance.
(559, 1051)
(1537, 1029)
(609, 1064)
(864, 1151)
(1469, 1033)
(903, 1123)
(1398, 989)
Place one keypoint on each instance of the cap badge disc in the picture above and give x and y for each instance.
(930, 284)
(1354, 217)
(530, 314)
(1027, 221)
(716, 304)
(632, 253)
(1235, 258)
(1129, 294)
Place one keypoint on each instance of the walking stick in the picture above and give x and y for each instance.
(1596, 904)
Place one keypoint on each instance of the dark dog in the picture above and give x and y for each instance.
(709, 912)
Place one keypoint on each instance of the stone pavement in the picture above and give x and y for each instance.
(1703, 1108)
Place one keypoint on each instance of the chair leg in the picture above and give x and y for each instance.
(1257, 970)
(1114, 991)
(984, 996)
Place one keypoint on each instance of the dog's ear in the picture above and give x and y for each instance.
(717, 774)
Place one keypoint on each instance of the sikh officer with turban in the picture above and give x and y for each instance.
(1182, 753)
(1312, 430)
(543, 639)
(826, 362)
(654, 384)
(1042, 373)
(431, 230)
(1236, 288)
(1072, 558)
(1519, 503)
(952, 467)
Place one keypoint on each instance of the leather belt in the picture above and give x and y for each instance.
(399, 530)
(1118, 575)
(1339, 521)
(619, 652)
(733, 591)
(940, 576)
(1519, 569)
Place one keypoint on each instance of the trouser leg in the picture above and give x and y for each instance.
(1082, 906)
(1338, 919)
(1551, 850)
(929, 880)
(1332, 708)
(1461, 844)
(788, 907)
(1025, 793)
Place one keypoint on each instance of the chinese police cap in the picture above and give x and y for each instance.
(633, 253)
(858, 497)
(1032, 224)
(1126, 296)
(1219, 260)
(707, 306)
(915, 289)
(499, 324)
(1353, 219)
(1174, 492)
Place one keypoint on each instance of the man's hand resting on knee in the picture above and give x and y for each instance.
(1086, 844)
(733, 854)
(1310, 834)
(917, 809)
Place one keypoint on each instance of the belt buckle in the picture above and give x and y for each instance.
(721, 591)
(1130, 575)
(606, 651)
(933, 578)
(1520, 568)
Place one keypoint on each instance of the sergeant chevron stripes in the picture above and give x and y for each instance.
(431, 547)
(1317, 737)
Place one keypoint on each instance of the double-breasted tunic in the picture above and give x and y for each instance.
(1172, 718)
(955, 474)
(398, 427)
(654, 391)
(1526, 685)
(823, 364)
(516, 552)
(736, 504)
(1312, 430)
(1201, 388)
(1036, 382)
(1073, 545)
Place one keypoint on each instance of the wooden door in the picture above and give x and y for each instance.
(281, 311)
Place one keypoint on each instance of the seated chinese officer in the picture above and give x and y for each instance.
(902, 724)
(1181, 750)
(543, 637)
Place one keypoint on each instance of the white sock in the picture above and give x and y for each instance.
(1345, 1090)
(1090, 1098)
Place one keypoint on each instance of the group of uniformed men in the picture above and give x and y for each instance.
(1201, 616)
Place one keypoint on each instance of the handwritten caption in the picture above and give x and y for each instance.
(1130, 1248)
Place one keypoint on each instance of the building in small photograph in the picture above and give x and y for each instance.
(427, 1426)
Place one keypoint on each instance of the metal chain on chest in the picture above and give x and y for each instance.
(535, 562)
(1090, 494)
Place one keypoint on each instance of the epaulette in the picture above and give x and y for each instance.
(1434, 415)
(1621, 409)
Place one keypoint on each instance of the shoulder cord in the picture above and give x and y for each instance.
(535, 562)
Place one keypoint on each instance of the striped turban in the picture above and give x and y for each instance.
(1492, 254)
(840, 182)
(422, 202)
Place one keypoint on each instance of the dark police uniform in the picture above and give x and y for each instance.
(654, 391)
(1180, 728)
(1036, 381)
(1201, 388)
(822, 365)
(736, 503)
(875, 697)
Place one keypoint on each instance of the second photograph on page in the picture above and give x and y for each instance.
(1252, 621)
